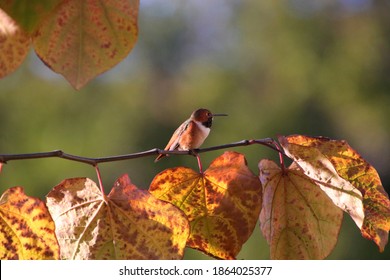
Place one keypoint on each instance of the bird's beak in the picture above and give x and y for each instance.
(219, 115)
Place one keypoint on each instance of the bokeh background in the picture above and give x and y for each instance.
(314, 67)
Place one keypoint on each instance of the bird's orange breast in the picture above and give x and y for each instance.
(194, 136)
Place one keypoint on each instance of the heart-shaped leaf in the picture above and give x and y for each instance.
(222, 204)
(127, 224)
(81, 39)
(298, 219)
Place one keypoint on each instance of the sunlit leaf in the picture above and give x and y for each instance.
(222, 204)
(127, 224)
(350, 181)
(28, 13)
(26, 228)
(298, 219)
(14, 45)
(82, 39)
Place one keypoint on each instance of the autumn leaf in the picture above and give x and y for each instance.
(14, 45)
(81, 39)
(26, 228)
(298, 219)
(127, 224)
(28, 14)
(222, 204)
(350, 181)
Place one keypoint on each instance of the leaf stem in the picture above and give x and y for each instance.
(281, 154)
(100, 180)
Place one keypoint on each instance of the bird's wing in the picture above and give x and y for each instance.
(173, 143)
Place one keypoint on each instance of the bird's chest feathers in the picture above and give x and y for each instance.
(195, 137)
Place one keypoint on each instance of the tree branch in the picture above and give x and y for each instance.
(4, 158)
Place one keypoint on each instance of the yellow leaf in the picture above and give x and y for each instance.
(26, 228)
(222, 205)
(81, 39)
(128, 224)
(14, 45)
(298, 219)
(350, 181)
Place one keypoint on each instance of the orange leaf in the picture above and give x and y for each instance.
(350, 181)
(14, 45)
(298, 219)
(26, 228)
(82, 39)
(128, 224)
(222, 205)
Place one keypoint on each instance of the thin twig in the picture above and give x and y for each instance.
(4, 158)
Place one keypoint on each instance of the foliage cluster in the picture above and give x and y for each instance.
(213, 211)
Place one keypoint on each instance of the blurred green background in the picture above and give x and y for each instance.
(313, 67)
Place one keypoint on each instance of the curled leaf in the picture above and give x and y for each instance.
(349, 180)
(127, 224)
(222, 204)
(26, 228)
(298, 219)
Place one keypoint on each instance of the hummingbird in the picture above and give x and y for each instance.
(191, 133)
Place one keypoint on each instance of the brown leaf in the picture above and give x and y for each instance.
(222, 205)
(298, 219)
(128, 224)
(82, 39)
(26, 228)
(350, 181)
(14, 45)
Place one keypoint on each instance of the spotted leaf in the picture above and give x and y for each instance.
(349, 180)
(14, 45)
(26, 228)
(81, 39)
(298, 219)
(127, 224)
(222, 204)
